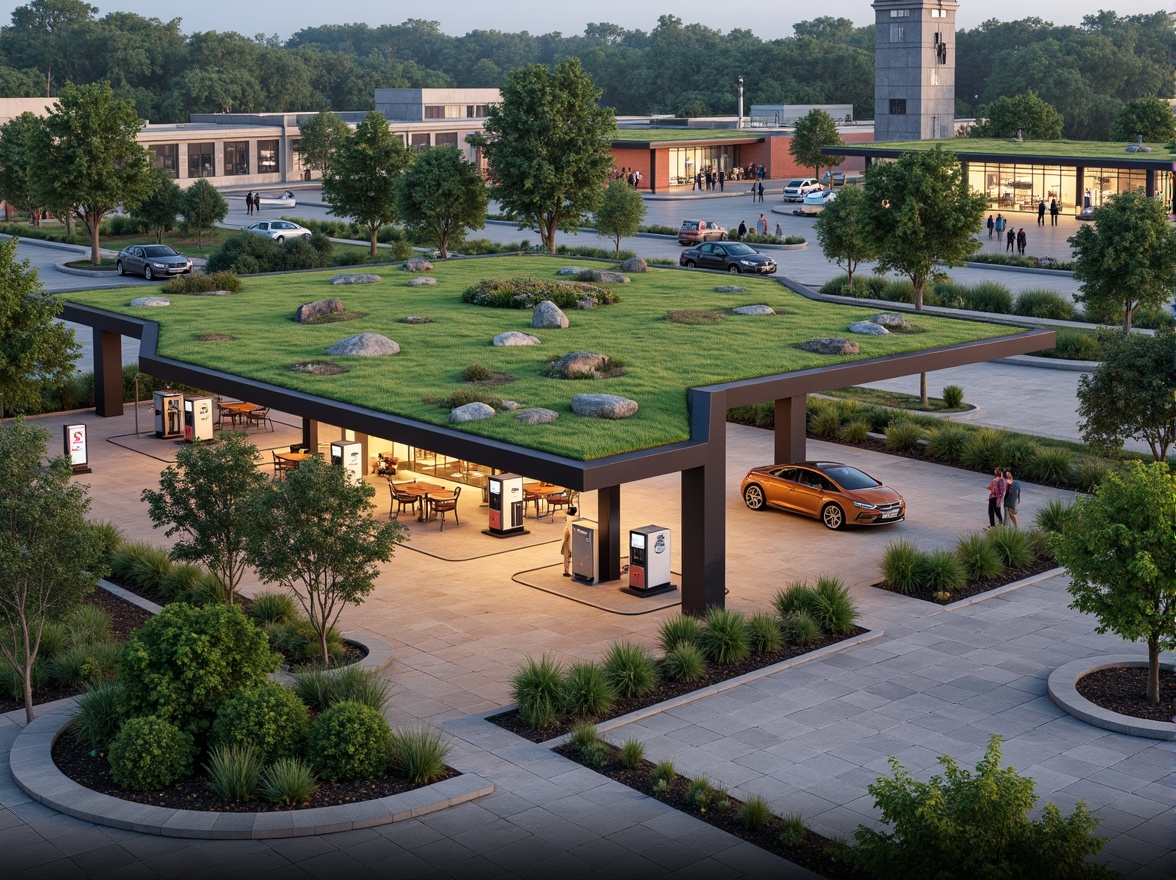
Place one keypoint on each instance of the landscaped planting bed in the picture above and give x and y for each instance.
(1123, 689)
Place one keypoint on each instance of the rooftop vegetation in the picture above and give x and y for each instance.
(1030, 148)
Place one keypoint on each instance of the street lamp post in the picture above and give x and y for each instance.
(740, 123)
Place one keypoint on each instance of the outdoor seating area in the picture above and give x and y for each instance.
(238, 413)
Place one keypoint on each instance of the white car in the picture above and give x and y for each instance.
(279, 230)
(796, 189)
(285, 200)
(814, 202)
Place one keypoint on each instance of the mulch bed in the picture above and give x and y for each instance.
(1123, 689)
(810, 853)
(975, 588)
(77, 761)
(667, 689)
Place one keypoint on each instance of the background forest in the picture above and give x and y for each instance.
(1086, 71)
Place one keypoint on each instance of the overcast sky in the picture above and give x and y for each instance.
(769, 19)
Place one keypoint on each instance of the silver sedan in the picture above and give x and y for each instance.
(152, 261)
(279, 230)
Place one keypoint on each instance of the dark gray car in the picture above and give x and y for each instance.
(152, 261)
(728, 256)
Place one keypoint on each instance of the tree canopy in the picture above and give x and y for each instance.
(18, 146)
(1147, 118)
(203, 207)
(841, 232)
(1025, 114)
(440, 196)
(162, 204)
(319, 138)
(814, 130)
(620, 212)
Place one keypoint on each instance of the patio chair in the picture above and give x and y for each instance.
(403, 499)
(563, 498)
(259, 417)
(445, 506)
(280, 465)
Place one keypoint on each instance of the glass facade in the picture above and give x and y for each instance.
(167, 156)
(267, 157)
(201, 160)
(445, 139)
(236, 157)
(1018, 187)
(686, 162)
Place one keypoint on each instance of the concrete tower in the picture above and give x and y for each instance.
(914, 69)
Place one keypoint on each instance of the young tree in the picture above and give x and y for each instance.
(203, 498)
(161, 204)
(974, 826)
(441, 195)
(1025, 113)
(88, 156)
(1120, 549)
(49, 554)
(919, 211)
(840, 231)
(361, 181)
(203, 208)
(35, 350)
(620, 212)
(1126, 258)
(1149, 118)
(815, 130)
(19, 137)
(1129, 394)
(547, 146)
(319, 138)
(314, 535)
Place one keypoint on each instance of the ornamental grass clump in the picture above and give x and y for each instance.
(1013, 546)
(984, 450)
(977, 557)
(1051, 516)
(796, 596)
(764, 631)
(631, 668)
(946, 442)
(1051, 466)
(539, 689)
(233, 772)
(941, 572)
(288, 782)
(97, 718)
(587, 690)
(725, 637)
(700, 792)
(903, 436)
(755, 813)
(662, 775)
(835, 611)
(855, 431)
(792, 830)
(583, 734)
(900, 566)
(685, 663)
(631, 753)
(953, 396)
(800, 628)
(419, 754)
(826, 423)
(272, 607)
(680, 629)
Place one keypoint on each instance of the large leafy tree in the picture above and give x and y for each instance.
(973, 825)
(314, 535)
(18, 146)
(919, 212)
(441, 195)
(361, 180)
(88, 156)
(814, 130)
(1149, 118)
(319, 138)
(547, 146)
(203, 207)
(1126, 259)
(1130, 396)
(1025, 113)
(163, 202)
(840, 230)
(620, 212)
(203, 499)
(49, 554)
(1120, 549)
(36, 351)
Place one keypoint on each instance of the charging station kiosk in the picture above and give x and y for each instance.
(649, 560)
(169, 414)
(505, 497)
(348, 455)
(584, 551)
(197, 418)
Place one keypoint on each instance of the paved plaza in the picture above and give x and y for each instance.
(809, 738)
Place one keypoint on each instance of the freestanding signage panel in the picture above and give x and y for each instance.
(505, 493)
(649, 559)
(169, 414)
(197, 418)
(76, 448)
(348, 455)
(584, 551)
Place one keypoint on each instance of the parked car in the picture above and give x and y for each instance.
(815, 202)
(796, 189)
(285, 200)
(834, 493)
(279, 230)
(151, 261)
(694, 231)
(833, 178)
(730, 256)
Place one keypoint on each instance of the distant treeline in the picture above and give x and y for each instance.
(1085, 71)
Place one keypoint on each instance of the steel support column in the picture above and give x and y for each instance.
(108, 380)
(310, 434)
(704, 510)
(608, 533)
(790, 427)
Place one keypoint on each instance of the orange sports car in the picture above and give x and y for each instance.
(834, 493)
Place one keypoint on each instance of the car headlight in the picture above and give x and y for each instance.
(861, 505)
(747, 262)
(159, 265)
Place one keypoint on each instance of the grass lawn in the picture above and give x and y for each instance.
(662, 358)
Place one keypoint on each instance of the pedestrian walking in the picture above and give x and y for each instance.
(753, 192)
(1010, 240)
(991, 225)
(779, 231)
(761, 189)
(722, 177)
(565, 547)
(996, 493)
(742, 230)
(1053, 212)
(249, 203)
(763, 226)
(999, 225)
(1012, 498)
(1041, 213)
(1021, 241)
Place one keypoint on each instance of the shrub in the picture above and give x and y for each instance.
(755, 813)
(1076, 345)
(631, 669)
(903, 436)
(197, 283)
(527, 292)
(1014, 547)
(796, 596)
(900, 566)
(725, 637)
(953, 396)
(631, 753)
(471, 395)
(800, 628)
(288, 781)
(855, 431)
(85, 664)
(1050, 465)
(540, 690)
(945, 293)
(946, 442)
(108, 535)
(663, 771)
(97, 718)
(989, 296)
(234, 772)
(269, 719)
(826, 423)
(1051, 516)
(984, 450)
(898, 291)
(587, 690)
(700, 792)
(184, 662)
(835, 610)
(1043, 303)
(685, 663)
(940, 571)
(977, 557)
(272, 607)
(349, 741)
(681, 629)
(419, 754)
(764, 631)
(1088, 473)
(150, 753)
(1018, 450)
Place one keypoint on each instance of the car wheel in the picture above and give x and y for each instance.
(148, 274)
(690, 264)
(118, 267)
(833, 516)
(753, 497)
(280, 239)
(733, 269)
(723, 237)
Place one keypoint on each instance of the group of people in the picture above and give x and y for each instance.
(757, 191)
(1054, 210)
(252, 202)
(761, 228)
(1003, 493)
(707, 179)
(630, 175)
(1012, 238)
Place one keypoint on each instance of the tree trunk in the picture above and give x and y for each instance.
(923, 389)
(1153, 671)
(95, 253)
(918, 283)
(323, 645)
(375, 230)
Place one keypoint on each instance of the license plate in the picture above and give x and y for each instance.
(891, 514)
